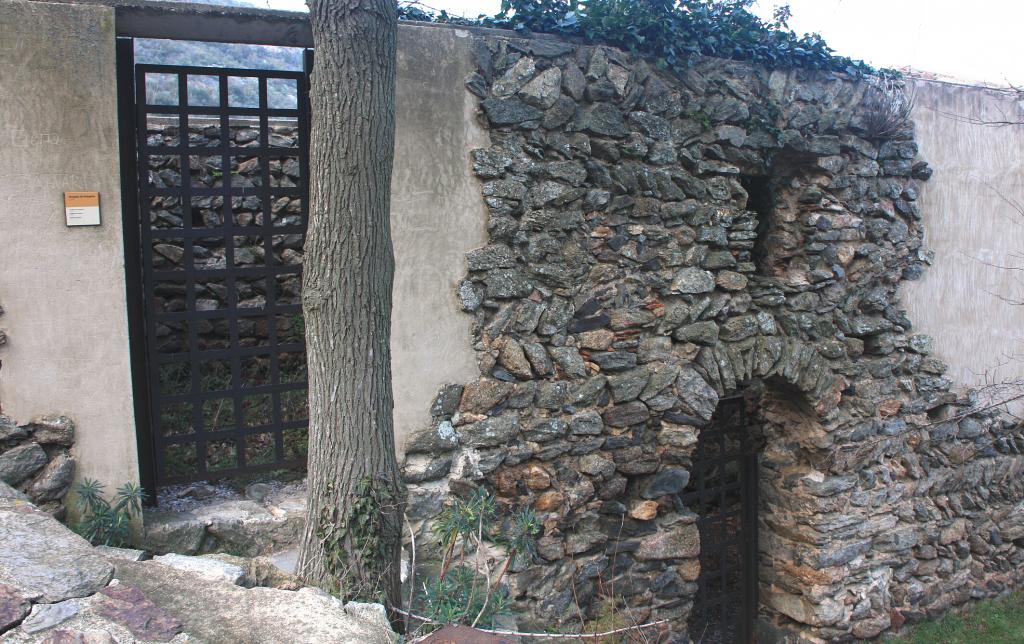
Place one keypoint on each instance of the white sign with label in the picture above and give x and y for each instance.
(82, 208)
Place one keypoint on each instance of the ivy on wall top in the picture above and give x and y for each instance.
(672, 32)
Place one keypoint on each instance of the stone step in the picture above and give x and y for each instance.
(270, 520)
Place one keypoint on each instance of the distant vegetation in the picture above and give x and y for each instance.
(203, 90)
(163, 90)
(673, 32)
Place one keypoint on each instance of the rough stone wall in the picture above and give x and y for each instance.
(35, 459)
(657, 243)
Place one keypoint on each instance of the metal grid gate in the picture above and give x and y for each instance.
(723, 493)
(222, 167)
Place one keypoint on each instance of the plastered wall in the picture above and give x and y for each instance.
(63, 288)
(437, 216)
(973, 223)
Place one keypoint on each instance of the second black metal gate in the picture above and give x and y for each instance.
(723, 493)
(221, 197)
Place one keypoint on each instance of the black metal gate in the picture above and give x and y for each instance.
(219, 215)
(723, 493)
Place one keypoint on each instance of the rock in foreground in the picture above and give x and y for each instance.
(44, 560)
(54, 589)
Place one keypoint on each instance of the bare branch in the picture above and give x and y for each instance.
(412, 561)
(554, 636)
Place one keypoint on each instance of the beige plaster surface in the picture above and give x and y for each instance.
(63, 288)
(973, 223)
(437, 215)
(64, 291)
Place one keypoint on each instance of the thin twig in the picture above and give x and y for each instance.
(448, 555)
(479, 549)
(487, 572)
(412, 562)
(501, 575)
(563, 636)
(974, 410)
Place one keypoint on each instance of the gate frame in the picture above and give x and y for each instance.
(747, 560)
(132, 221)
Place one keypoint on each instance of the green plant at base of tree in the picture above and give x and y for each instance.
(354, 548)
(104, 523)
(469, 588)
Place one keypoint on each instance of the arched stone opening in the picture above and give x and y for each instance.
(790, 430)
(753, 474)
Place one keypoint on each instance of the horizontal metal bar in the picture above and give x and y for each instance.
(235, 151)
(255, 191)
(213, 24)
(258, 271)
(151, 68)
(244, 392)
(220, 354)
(216, 110)
(210, 435)
(233, 231)
(227, 314)
(220, 474)
(184, 358)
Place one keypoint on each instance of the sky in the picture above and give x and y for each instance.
(965, 40)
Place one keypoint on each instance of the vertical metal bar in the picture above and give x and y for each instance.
(231, 280)
(270, 270)
(199, 430)
(146, 242)
(130, 225)
(750, 562)
(305, 122)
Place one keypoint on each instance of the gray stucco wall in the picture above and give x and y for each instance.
(436, 217)
(973, 226)
(64, 291)
(63, 288)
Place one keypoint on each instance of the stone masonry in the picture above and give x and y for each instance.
(660, 241)
(36, 460)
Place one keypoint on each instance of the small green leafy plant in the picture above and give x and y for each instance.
(671, 32)
(357, 541)
(106, 523)
(468, 589)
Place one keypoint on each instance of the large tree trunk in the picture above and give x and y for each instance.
(352, 540)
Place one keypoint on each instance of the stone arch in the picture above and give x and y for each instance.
(788, 387)
(725, 365)
(807, 530)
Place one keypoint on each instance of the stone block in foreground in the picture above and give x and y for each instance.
(44, 560)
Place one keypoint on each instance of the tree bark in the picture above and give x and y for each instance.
(346, 297)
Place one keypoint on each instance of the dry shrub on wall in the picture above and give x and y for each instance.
(886, 110)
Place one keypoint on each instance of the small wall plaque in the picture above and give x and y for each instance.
(82, 208)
